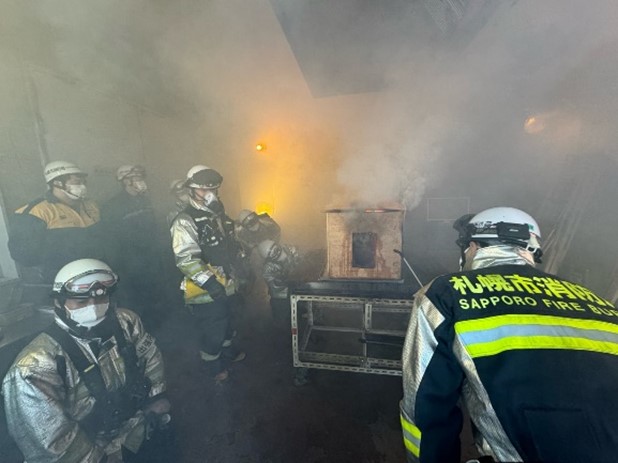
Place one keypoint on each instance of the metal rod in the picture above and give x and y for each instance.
(405, 261)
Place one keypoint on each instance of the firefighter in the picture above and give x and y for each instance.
(135, 250)
(181, 198)
(205, 251)
(279, 261)
(252, 228)
(62, 226)
(91, 387)
(533, 357)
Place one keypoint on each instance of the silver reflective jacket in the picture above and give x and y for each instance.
(44, 406)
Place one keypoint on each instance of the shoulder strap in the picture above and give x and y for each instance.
(88, 371)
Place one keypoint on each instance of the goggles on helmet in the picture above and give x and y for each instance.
(94, 283)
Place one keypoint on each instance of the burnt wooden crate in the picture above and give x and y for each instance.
(361, 243)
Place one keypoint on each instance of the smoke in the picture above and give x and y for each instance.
(359, 102)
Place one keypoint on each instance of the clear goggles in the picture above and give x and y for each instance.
(96, 283)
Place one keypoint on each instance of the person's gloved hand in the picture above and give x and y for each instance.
(214, 288)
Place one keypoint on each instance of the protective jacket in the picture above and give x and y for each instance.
(533, 357)
(179, 206)
(204, 245)
(266, 229)
(132, 243)
(276, 272)
(50, 411)
(48, 233)
(130, 222)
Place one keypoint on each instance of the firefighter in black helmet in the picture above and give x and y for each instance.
(205, 250)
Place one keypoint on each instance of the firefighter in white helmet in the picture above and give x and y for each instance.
(135, 246)
(57, 228)
(206, 252)
(91, 387)
(180, 193)
(531, 356)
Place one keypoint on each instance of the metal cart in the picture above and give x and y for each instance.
(354, 326)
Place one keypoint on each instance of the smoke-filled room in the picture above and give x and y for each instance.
(308, 231)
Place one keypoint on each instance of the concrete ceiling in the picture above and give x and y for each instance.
(350, 46)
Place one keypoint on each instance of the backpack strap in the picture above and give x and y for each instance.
(89, 372)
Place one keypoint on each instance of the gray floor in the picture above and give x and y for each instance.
(258, 415)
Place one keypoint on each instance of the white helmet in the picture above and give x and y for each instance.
(201, 176)
(501, 225)
(177, 185)
(84, 278)
(57, 169)
(130, 171)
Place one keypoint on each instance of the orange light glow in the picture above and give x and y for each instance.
(260, 147)
(534, 124)
(264, 207)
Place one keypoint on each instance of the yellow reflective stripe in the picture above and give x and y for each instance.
(515, 319)
(493, 335)
(411, 436)
(540, 342)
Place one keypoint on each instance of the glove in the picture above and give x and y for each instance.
(214, 288)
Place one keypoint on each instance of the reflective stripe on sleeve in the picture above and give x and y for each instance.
(411, 436)
(493, 335)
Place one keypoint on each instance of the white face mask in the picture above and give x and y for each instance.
(90, 315)
(76, 191)
(140, 186)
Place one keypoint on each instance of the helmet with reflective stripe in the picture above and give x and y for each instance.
(57, 169)
(84, 278)
(201, 176)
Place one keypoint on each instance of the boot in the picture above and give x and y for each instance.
(214, 367)
(231, 354)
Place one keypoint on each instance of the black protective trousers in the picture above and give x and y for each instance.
(212, 320)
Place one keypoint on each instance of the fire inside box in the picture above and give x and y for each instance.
(355, 317)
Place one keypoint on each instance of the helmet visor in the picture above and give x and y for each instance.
(208, 178)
